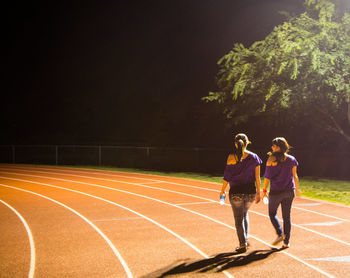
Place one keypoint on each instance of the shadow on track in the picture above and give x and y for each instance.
(217, 263)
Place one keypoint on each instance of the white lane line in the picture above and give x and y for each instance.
(308, 204)
(116, 204)
(116, 219)
(67, 169)
(307, 229)
(163, 202)
(31, 240)
(323, 223)
(152, 182)
(176, 192)
(323, 214)
(326, 202)
(117, 174)
(109, 180)
(196, 203)
(111, 175)
(126, 268)
(343, 259)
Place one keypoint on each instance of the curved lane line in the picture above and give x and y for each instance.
(126, 268)
(116, 204)
(109, 173)
(31, 240)
(326, 202)
(59, 169)
(106, 174)
(180, 193)
(160, 201)
(109, 180)
(323, 214)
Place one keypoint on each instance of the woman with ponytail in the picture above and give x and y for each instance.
(242, 172)
(281, 173)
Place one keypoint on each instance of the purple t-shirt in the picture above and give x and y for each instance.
(242, 172)
(281, 175)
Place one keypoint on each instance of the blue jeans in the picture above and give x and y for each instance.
(285, 198)
(240, 204)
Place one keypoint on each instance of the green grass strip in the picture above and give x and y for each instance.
(326, 189)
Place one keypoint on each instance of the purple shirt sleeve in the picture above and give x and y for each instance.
(268, 172)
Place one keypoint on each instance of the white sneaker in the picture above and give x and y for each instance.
(285, 245)
(278, 240)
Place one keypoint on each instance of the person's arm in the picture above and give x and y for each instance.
(296, 181)
(230, 160)
(269, 162)
(266, 184)
(257, 184)
(224, 184)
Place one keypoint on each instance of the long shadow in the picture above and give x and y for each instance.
(217, 263)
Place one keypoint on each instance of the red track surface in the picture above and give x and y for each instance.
(93, 223)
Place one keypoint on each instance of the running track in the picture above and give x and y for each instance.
(69, 222)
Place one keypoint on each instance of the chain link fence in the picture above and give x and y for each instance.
(201, 160)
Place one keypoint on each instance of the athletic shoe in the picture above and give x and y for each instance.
(241, 249)
(285, 245)
(278, 240)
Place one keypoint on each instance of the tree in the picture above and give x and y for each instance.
(301, 68)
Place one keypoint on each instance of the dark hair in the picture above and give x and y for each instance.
(282, 143)
(242, 141)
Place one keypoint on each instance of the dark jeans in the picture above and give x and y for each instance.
(285, 198)
(240, 204)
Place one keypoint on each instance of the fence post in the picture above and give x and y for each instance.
(147, 158)
(13, 154)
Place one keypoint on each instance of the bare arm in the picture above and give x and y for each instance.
(257, 184)
(230, 160)
(266, 184)
(296, 181)
(270, 162)
(224, 184)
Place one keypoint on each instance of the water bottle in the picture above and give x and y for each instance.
(265, 200)
(222, 199)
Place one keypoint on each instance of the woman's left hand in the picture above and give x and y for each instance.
(257, 198)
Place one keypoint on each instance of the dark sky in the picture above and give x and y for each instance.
(122, 72)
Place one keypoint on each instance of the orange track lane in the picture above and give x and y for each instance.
(94, 223)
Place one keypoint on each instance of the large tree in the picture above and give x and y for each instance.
(300, 70)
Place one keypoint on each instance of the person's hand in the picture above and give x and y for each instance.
(263, 194)
(257, 197)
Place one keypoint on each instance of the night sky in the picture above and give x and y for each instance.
(123, 72)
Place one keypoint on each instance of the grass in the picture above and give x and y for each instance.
(331, 190)
(326, 189)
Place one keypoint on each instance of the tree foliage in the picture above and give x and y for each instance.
(301, 68)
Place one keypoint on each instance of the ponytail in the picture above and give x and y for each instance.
(238, 151)
(242, 141)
